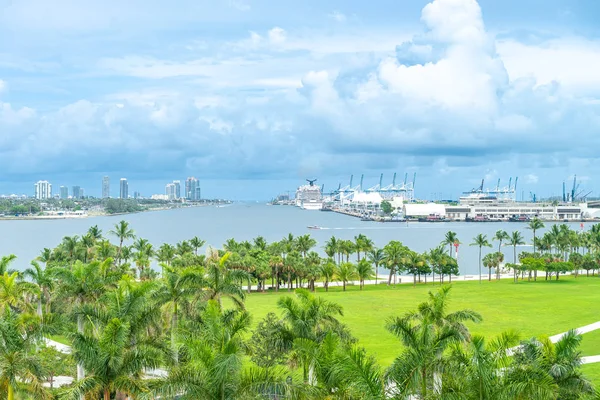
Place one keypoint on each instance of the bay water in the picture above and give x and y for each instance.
(244, 221)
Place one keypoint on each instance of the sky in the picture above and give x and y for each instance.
(254, 96)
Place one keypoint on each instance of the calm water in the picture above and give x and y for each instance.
(246, 221)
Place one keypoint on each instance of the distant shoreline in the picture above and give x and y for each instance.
(94, 214)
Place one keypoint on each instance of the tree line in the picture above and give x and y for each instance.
(188, 322)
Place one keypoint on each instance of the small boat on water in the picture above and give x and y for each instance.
(314, 227)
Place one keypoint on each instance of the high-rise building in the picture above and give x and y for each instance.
(123, 189)
(198, 193)
(191, 184)
(81, 193)
(177, 185)
(137, 195)
(170, 191)
(64, 192)
(43, 190)
(76, 192)
(105, 187)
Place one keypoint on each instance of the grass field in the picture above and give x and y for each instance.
(531, 308)
(590, 346)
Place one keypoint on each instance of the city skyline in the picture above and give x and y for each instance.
(452, 89)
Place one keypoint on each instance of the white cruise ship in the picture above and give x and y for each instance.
(309, 196)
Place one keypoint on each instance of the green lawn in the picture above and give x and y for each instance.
(590, 346)
(531, 308)
(592, 372)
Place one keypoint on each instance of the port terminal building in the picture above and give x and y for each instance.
(503, 211)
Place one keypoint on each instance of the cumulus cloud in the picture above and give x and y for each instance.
(449, 99)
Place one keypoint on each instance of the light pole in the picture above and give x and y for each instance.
(456, 244)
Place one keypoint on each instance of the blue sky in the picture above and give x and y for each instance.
(254, 96)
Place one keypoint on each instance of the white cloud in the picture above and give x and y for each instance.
(465, 26)
(2, 86)
(468, 75)
(572, 62)
(338, 16)
(277, 36)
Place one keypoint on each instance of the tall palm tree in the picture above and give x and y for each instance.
(304, 244)
(395, 253)
(80, 285)
(500, 236)
(376, 257)
(197, 243)
(20, 369)
(535, 224)
(426, 335)
(362, 244)
(332, 247)
(176, 288)
(346, 272)
(515, 239)
(165, 253)
(123, 232)
(260, 243)
(13, 292)
(364, 271)
(95, 233)
(327, 270)
(450, 239)
(42, 278)
(480, 241)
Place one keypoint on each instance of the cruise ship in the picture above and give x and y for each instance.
(309, 196)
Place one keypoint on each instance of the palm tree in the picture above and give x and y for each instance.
(79, 285)
(346, 273)
(535, 224)
(515, 239)
(13, 292)
(364, 271)
(122, 345)
(308, 320)
(395, 253)
(223, 282)
(165, 253)
(70, 245)
(480, 241)
(43, 279)
(176, 289)
(450, 239)
(197, 243)
(426, 334)
(475, 369)
(328, 272)
(362, 244)
(555, 367)
(304, 244)
(500, 236)
(376, 257)
(5, 261)
(95, 233)
(215, 367)
(123, 232)
(332, 247)
(20, 369)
